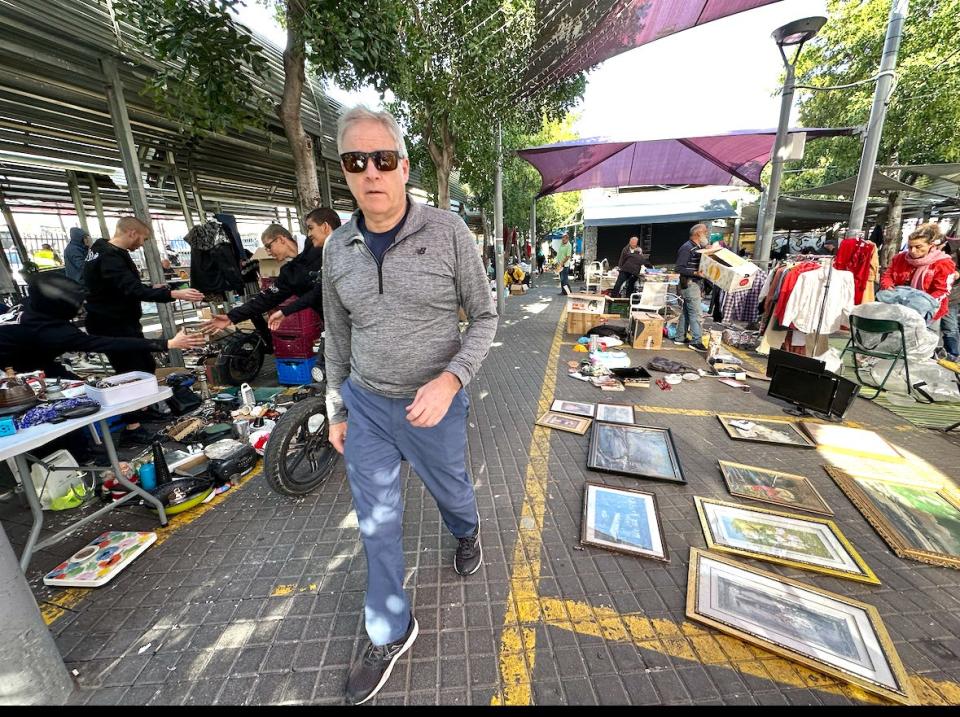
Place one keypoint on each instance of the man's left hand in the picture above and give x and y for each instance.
(275, 319)
(432, 401)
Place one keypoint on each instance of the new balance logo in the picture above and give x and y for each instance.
(422, 250)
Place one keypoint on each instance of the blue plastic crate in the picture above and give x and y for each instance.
(115, 423)
(7, 427)
(295, 371)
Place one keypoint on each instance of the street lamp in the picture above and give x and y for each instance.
(794, 33)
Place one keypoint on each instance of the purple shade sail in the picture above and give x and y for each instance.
(717, 159)
(578, 34)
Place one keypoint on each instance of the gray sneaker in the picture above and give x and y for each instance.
(469, 553)
(372, 670)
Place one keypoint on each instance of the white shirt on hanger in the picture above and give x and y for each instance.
(803, 306)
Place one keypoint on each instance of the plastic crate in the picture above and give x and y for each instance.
(294, 371)
(307, 321)
(7, 426)
(144, 384)
(266, 282)
(292, 346)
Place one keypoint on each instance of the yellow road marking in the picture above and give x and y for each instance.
(517, 642)
(283, 590)
(65, 600)
(692, 642)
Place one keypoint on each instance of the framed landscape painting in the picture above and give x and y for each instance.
(573, 407)
(624, 520)
(917, 521)
(768, 430)
(615, 413)
(797, 541)
(770, 486)
(836, 635)
(564, 422)
(637, 451)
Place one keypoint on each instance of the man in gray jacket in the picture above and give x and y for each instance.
(394, 278)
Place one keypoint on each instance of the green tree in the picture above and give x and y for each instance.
(213, 72)
(923, 117)
(459, 72)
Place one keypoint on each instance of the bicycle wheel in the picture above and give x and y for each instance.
(299, 457)
(241, 357)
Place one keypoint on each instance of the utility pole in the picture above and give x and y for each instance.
(878, 112)
(533, 234)
(498, 222)
(765, 233)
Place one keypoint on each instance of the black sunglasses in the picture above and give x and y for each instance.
(385, 160)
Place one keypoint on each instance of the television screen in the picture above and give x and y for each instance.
(807, 389)
(785, 358)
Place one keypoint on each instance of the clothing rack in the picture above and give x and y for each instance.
(828, 259)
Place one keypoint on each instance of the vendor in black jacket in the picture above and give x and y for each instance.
(113, 304)
(33, 338)
(298, 276)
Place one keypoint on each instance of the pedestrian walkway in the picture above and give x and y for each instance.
(258, 599)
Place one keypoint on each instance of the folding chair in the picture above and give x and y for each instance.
(884, 328)
(592, 275)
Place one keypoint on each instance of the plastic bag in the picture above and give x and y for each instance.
(920, 342)
(927, 376)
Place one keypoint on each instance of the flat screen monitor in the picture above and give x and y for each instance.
(785, 358)
(808, 389)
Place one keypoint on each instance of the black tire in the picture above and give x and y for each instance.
(298, 461)
(241, 358)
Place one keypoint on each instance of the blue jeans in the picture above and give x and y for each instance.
(565, 277)
(950, 329)
(690, 316)
(379, 436)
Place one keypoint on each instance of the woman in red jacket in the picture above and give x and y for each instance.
(923, 266)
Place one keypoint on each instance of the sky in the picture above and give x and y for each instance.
(717, 77)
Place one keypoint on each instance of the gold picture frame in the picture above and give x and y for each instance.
(887, 504)
(791, 435)
(767, 485)
(798, 622)
(797, 541)
(565, 422)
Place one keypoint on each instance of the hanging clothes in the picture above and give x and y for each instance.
(790, 280)
(743, 305)
(214, 268)
(802, 310)
(860, 258)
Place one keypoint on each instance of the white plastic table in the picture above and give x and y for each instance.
(14, 450)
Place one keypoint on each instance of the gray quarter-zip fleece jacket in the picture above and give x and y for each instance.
(392, 327)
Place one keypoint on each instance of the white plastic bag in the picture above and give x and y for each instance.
(928, 376)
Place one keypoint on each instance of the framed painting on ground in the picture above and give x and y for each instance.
(797, 541)
(829, 435)
(916, 521)
(770, 486)
(573, 407)
(836, 635)
(637, 451)
(564, 422)
(624, 520)
(615, 413)
(767, 430)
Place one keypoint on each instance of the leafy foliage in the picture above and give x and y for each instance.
(923, 118)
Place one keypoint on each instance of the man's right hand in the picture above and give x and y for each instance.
(183, 340)
(187, 295)
(338, 434)
(217, 323)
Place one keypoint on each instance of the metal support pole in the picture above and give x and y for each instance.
(14, 232)
(878, 112)
(181, 193)
(32, 668)
(138, 197)
(533, 234)
(77, 200)
(498, 222)
(735, 240)
(326, 190)
(765, 235)
(98, 205)
(197, 199)
(289, 221)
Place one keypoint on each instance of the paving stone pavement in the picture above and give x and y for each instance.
(259, 600)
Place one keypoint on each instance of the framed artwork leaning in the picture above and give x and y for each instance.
(919, 522)
(615, 413)
(564, 422)
(573, 407)
(836, 635)
(795, 540)
(624, 520)
(636, 451)
(770, 486)
(767, 430)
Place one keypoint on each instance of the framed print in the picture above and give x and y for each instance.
(917, 521)
(625, 520)
(830, 435)
(572, 407)
(767, 430)
(836, 635)
(564, 422)
(770, 486)
(801, 542)
(615, 413)
(638, 451)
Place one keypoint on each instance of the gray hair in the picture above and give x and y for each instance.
(698, 227)
(361, 113)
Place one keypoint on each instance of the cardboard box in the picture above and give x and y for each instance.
(268, 265)
(579, 322)
(647, 331)
(517, 289)
(586, 303)
(727, 271)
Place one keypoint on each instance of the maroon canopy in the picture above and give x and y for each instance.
(600, 162)
(578, 34)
